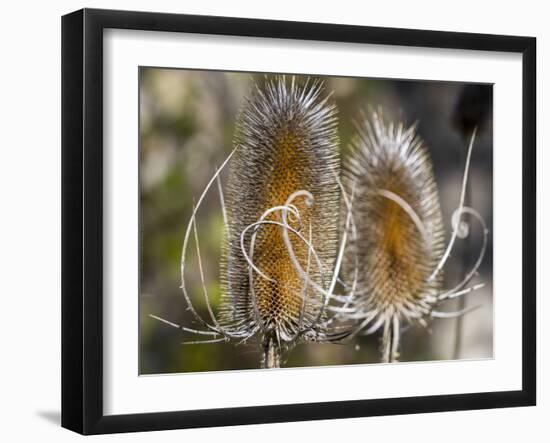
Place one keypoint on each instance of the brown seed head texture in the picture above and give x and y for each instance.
(286, 142)
(392, 176)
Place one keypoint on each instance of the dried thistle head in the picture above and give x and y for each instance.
(282, 204)
(399, 239)
(397, 254)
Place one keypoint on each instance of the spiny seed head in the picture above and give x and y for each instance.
(286, 141)
(399, 230)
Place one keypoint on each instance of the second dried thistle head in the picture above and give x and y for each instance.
(398, 252)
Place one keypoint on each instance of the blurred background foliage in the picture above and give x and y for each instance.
(186, 130)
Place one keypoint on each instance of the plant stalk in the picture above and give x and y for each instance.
(271, 355)
(390, 340)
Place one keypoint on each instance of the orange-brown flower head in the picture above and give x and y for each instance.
(282, 212)
(399, 231)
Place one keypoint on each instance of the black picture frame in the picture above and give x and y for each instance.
(82, 220)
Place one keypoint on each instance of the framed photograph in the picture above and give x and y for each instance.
(270, 221)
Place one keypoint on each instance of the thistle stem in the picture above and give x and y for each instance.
(390, 340)
(272, 354)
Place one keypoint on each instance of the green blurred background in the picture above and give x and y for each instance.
(186, 130)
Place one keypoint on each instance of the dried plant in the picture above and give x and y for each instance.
(286, 241)
(280, 257)
(286, 166)
(398, 251)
